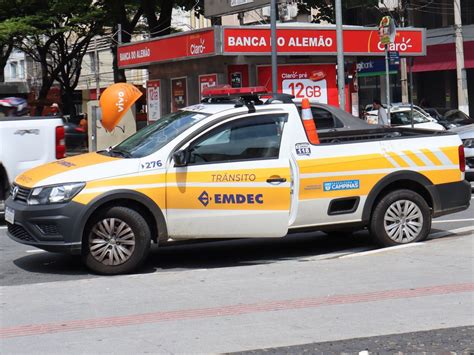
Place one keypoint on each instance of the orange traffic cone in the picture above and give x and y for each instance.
(308, 122)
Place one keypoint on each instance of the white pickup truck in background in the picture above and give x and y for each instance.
(26, 142)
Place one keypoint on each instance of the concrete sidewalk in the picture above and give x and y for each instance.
(294, 301)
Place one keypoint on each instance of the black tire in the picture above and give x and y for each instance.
(408, 228)
(117, 246)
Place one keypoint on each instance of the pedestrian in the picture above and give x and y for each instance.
(382, 113)
(83, 122)
(54, 110)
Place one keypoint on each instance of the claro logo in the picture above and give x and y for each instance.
(196, 49)
(121, 101)
(402, 46)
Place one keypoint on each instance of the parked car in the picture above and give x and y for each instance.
(455, 118)
(237, 171)
(76, 136)
(401, 116)
(26, 142)
(466, 133)
(329, 118)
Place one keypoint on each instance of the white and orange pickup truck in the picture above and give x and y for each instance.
(237, 169)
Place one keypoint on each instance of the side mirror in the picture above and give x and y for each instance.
(181, 158)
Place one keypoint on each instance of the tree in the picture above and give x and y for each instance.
(152, 16)
(125, 14)
(59, 34)
(13, 30)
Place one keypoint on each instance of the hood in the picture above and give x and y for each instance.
(85, 167)
(427, 125)
(464, 130)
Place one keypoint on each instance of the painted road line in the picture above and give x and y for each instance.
(453, 220)
(334, 255)
(231, 310)
(441, 234)
(376, 251)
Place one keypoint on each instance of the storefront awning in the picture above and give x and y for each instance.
(295, 40)
(443, 57)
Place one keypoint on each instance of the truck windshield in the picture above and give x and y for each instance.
(155, 136)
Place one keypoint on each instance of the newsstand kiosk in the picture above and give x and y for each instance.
(181, 65)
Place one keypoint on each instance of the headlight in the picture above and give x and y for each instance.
(468, 143)
(55, 194)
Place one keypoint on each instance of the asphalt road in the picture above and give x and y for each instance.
(302, 293)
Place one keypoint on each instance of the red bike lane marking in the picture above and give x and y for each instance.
(231, 310)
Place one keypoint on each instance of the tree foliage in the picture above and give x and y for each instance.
(59, 33)
(13, 26)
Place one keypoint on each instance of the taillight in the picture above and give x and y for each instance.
(60, 143)
(462, 159)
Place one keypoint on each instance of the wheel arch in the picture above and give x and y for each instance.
(408, 180)
(131, 199)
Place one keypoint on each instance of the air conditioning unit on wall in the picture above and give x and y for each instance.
(287, 11)
(389, 4)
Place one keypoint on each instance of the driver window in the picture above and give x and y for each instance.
(250, 138)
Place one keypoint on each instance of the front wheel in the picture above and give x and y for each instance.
(117, 241)
(400, 217)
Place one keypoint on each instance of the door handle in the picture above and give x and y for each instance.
(276, 180)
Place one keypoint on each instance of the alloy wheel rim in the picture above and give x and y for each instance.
(111, 241)
(403, 221)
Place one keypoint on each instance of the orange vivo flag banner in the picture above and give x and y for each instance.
(115, 101)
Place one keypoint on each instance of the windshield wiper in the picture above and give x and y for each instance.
(120, 152)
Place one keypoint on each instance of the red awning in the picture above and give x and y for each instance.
(443, 57)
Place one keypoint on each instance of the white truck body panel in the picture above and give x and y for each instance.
(26, 143)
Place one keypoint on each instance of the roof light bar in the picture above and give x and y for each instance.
(227, 90)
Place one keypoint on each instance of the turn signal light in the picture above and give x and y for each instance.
(60, 143)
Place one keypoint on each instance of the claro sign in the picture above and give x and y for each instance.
(248, 40)
(256, 41)
(169, 48)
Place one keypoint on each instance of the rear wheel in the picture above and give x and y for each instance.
(400, 217)
(116, 242)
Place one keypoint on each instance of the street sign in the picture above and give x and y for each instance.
(374, 67)
(213, 8)
(394, 57)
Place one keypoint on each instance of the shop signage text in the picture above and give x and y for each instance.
(166, 49)
(315, 41)
(314, 81)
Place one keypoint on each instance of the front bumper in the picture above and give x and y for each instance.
(450, 198)
(54, 228)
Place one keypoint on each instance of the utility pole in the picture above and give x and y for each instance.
(340, 57)
(274, 47)
(387, 83)
(463, 102)
(97, 93)
(403, 61)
